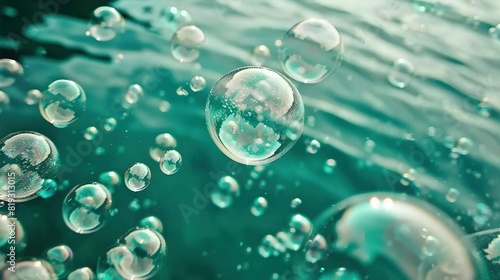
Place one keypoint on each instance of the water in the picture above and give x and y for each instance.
(455, 68)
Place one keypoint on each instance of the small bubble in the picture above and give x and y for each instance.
(431, 246)
(313, 146)
(329, 166)
(259, 206)
(106, 23)
(33, 97)
(164, 106)
(170, 162)
(452, 195)
(186, 43)
(369, 146)
(463, 146)
(91, 133)
(296, 202)
(401, 74)
(137, 177)
(10, 71)
(260, 54)
(163, 143)
(227, 190)
(198, 83)
(109, 124)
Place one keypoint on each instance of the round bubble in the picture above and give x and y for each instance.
(33, 97)
(110, 179)
(227, 190)
(311, 50)
(83, 273)
(386, 232)
(152, 222)
(197, 83)
(27, 159)
(170, 162)
(5, 235)
(186, 43)
(137, 177)
(163, 143)
(63, 103)
(86, 208)
(10, 71)
(173, 18)
(401, 73)
(29, 269)
(259, 206)
(254, 115)
(132, 96)
(60, 257)
(139, 254)
(260, 54)
(106, 23)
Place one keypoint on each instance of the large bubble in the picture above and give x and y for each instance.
(254, 115)
(389, 235)
(27, 159)
(63, 103)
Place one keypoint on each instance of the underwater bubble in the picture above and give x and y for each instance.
(227, 189)
(63, 103)
(311, 50)
(33, 97)
(186, 43)
(259, 206)
(316, 249)
(313, 146)
(495, 32)
(106, 23)
(182, 90)
(408, 177)
(463, 146)
(198, 83)
(163, 143)
(10, 71)
(83, 273)
(26, 159)
(29, 269)
(254, 115)
(173, 18)
(381, 232)
(132, 96)
(60, 257)
(109, 124)
(329, 166)
(369, 146)
(299, 228)
(269, 246)
(87, 207)
(110, 179)
(485, 109)
(164, 106)
(170, 162)
(91, 133)
(260, 55)
(137, 177)
(152, 222)
(296, 202)
(6, 238)
(401, 73)
(4, 101)
(452, 195)
(482, 215)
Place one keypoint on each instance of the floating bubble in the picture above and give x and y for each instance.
(298, 230)
(63, 103)
(132, 96)
(463, 146)
(106, 23)
(164, 106)
(259, 206)
(109, 124)
(186, 43)
(163, 143)
(198, 83)
(91, 133)
(27, 159)
(270, 246)
(83, 273)
(369, 146)
(110, 179)
(86, 208)
(10, 71)
(452, 195)
(60, 257)
(329, 166)
(408, 177)
(311, 50)
(227, 189)
(485, 109)
(137, 177)
(382, 232)
(152, 222)
(260, 54)
(33, 97)
(296, 202)
(173, 18)
(7, 236)
(316, 249)
(254, 115)
(170, 162)
(29, 269)
(4, 101)
(401, 73)
(313, 146)
(182, 90)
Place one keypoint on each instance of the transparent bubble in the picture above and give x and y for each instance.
(83, 273)
(182, 90)
(152, 222)
(299, 228)
(316, 249)
(109, 124)
(106, 23)
(382, 232)
(173, 18)
(33, 97)
(163, 143)
(63, 103)
(270, 246)
(10, 71)
(186, 43)
(5, 235)
(369, 146)
(401, 73)
(27, 159)
(170, 162)
(198, 83)
(86, 208)
(259, 206)
(164, 106)
(260, 55)
(313, 146)
(311, 50)
(227, 189)
(296, 202)
(254, 115)
(463, 146)
(137, 177)
(485, 109)
(4, 101)
(495, 32)
(110, 179)
(60, 257)
(91, 133)
(132, 96)
(29, 269)
(329, 166)
(452, 195)
(139, 254)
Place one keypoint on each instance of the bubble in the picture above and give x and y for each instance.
(152, 222)
(91, 133)
(369, 146)
(316, 249)
(170, 162)
(254, 115)
(463, 146)
(109, 124)
(493, 250)
(164, 106)
(106, 23)
(186, 43)
(60, 257)
(401, 73)
(485, 109)
(296, 202)
(4, 101)
(270, 246)
(86, 208)
(132, 96)
(298, 230)
(481, 215)
(381, 232)
(495, 32)
(173, 18)
(139, 254)
(329, 166)
(110, 179)
(259, 206)
(29, 269)
(227, 189)
(33, 97)
(63, 103)
(452, 195)
(313, 146)
(182, 91)
(5, 235)
(27, 159)
(311, 50)
(198, 83)
(10, 71)
(137, 177)
(163, 143)
(408, 177)
(260, 54)
(83, 273)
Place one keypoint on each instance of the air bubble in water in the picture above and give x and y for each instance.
(83, 273)
(197, 83)
(186, 43)
(260, 54)
(33, 96)
(10, 71)
(63, 103)
(313, 146)
(152, 222)
(170, 162)
(401, 73)
(163, 143)
(259, 206)
(173, 18)
(60, 257)
(227, 190)
(137, 177)
(106, 23)
(452, 195)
